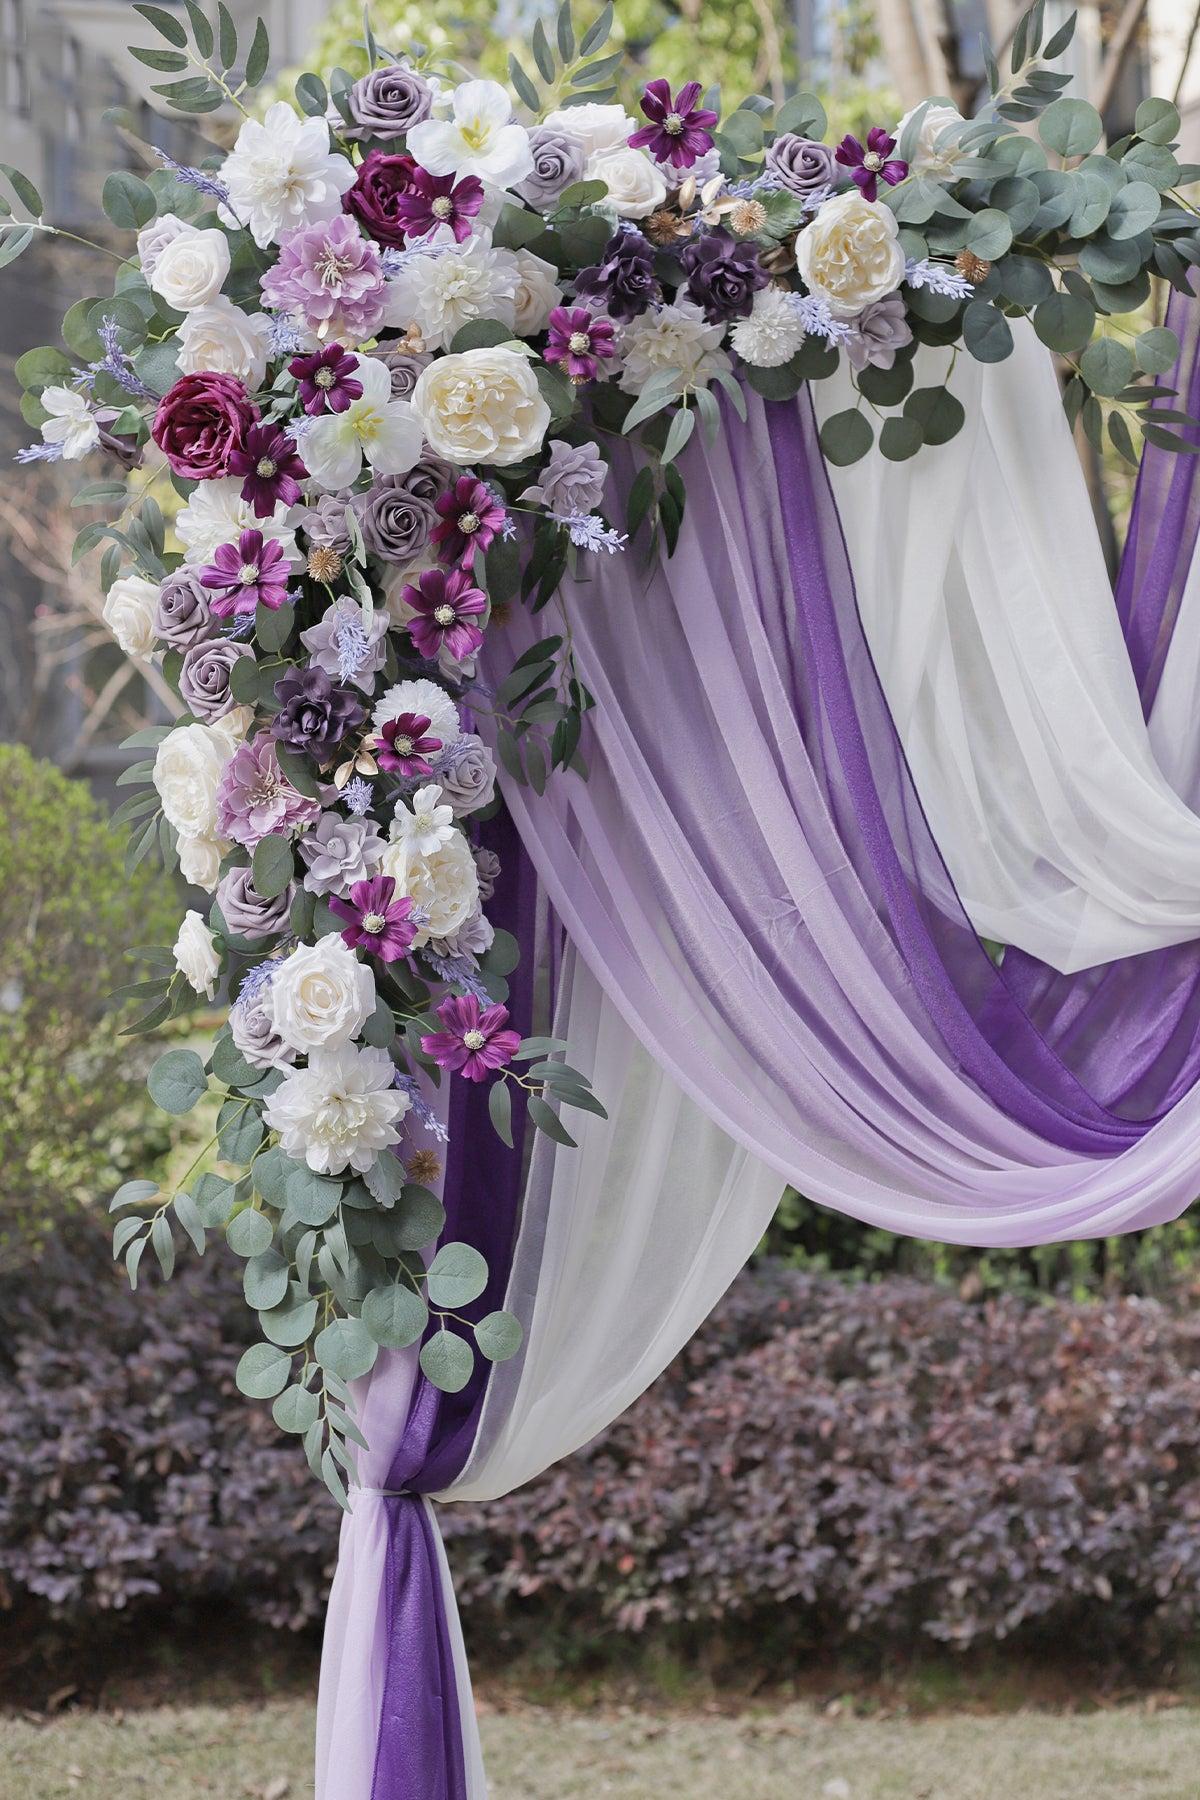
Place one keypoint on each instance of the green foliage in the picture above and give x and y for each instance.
(73, 1116)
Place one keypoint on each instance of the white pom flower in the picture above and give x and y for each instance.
(439, 294)
(385, 431)
(482, 406)
(597, 127)
(479, 138)
(538, 293)
(428, 701)
(190, 269)
(220, 339)
(129, 608)
(636, 185)
(772, 334)
(341, 1112)
(70, 423)
(322, 996)
(444, 886)
(281, 174)
(196, 955)
(676, 337)
(216, 514)
(188, 766)
(425, 826)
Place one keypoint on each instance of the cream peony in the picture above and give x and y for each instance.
(386, 432)
(479, 138)
(129, 608)
(200, 862)
(936, 152)
(676, 337)
(281, 174)
(187, 770)
(482, 406)
(538, 293)
(439, 294)
(636, 185)
(220, 339)
(851, 256)
(597, 127)
(321, 997)
(341, 1112)
(196, 955)
(428, 701)
(216, 514)
(190, 268)
(445, 886)
(70, 424)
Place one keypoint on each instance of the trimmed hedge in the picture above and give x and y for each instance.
(826, 1463)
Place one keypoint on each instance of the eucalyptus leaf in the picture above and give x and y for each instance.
(447, 1362)
(250, 1233)
(1071, 127)
(263, 1371)
(177, 1081)
(457, 1275)
(265, 1279)
(346, 1348)
(395, 1316)
(846, 437)
(499, 1336)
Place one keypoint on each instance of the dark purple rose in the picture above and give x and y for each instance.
(558, 162)
(245, 911)
(678, 132)
(270, 467)
(315, 712)
(204, 677)
(373, 199)
(388, 102)
(200, 422)
(723, 276)
(869, 164)
(623, 281)
(433, 200)
(183, 615)
(429, 477)
(327, 380)
(395, 523)
(802, 165)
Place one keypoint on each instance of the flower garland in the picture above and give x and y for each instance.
(390, 322)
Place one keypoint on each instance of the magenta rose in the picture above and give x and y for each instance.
(200, 422)
(382, 179)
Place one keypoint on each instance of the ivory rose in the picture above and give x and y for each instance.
(321, 997)
(129, 612)
(187, 772)
(445, 885)
(196, 955)
(851, 255)
(190, 268)
(482, 406)
(636, 185)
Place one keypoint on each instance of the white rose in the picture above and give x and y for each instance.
(153, 239)
(928, 156)
(200, 862)
(482, 406)
(538, 293)
(322, 996)
(850, 256)
(445, 886)
(187, 770)
(220, 339)
(191, 268)
(636, 185)
(196, 955)
(596, 127)
(129, 608)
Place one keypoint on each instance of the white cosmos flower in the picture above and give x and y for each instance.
(479, 138)
(386, 431)
(772, 334)
(439, 294)
(281, 174)
(220, 339)
(425, 826)
(428, 701)
(70, 423)
(196, 955)
(675, 337)
(216, 514)
(340, 1112)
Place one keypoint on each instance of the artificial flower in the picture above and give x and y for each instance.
(679, 130)
(469, 517)
(537, 295)
(475, 1041)
(723, 276)
(559, 158)
(130, 608)
(345, 646)
(270, 468)
(851, 255)
(480, 137)
(596, 125)
(395, 523)
(282, 174)
(434, 202)
(871, 162)
(216, 514)
(71, 423)
(623, 281)
(246, 912)
(579, 342)
(482, 406)
(329, 279)
(877, 333)
(200, 861)
(340, 1112)
(255, 1037)
(380, 183)
(468, 777)
(201, 420)
(182, 613)
(326, 380)
(255, 799)
(221, 339)
(252, 572)
(677, 338)
(315, 713)
(440, 293)
(196, 955)
(188, 767)
(191, 268)
(388, 102)
(444, 885)
(338, 852)
(635, 183)
(804, 166)
(154, 237)
(404, 743)
(377, 922)
(774, 331)
(386, 432)
(937, 151)
(321, 996)
(426, 824)
(444, 605)
(572, 480)
(204, 677)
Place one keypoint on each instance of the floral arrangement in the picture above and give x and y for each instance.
(378, 344)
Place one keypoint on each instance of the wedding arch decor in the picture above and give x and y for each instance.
(473, 480)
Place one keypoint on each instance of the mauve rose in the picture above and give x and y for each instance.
(558, 161)
(802, 165)
(471, 783)
(388, 102)
(245, 911)
(382, 178)
(183, 615)
(200, 422)
(404, 366)
(878, 332)
(324, 522)
(253, 1031)
(429, 478)
(572, 481)
(204, 677)
(396, 523)
(487, 868)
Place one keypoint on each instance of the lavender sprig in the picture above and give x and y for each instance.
(587, 531)
(938, 278)
(200, 179)
(406, 1084)
(117, 362)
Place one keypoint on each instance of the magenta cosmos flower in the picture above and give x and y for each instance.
(271, 469)
(579, 341)
(678, 132)
(868, 164)
(326, 380)
(469, 517)
(402, 746)
(255, 799)
(433, 200)
(444, 603)
(330, 278)
(242, 574)
(375, 920)
(474, 1041)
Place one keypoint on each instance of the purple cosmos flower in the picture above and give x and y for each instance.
(444, 603)
(469, 518)
(255, 799)
(327, 381)
(433, 200)
(678, 130)
(253, 569)
(474, 1042)
(579, 341)
(315, 713)
(402, 747)
(329, 277)
(623, 280)
(868, 164)
(723, 276)
(271, 469)
(375, 920)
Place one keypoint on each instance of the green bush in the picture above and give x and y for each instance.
(73, 1116)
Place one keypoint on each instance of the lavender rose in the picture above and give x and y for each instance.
(396, 523)
(429, 478)
(324, 522)
(183, 616)
(558, 160)
(878, 332)
(204, 677)
(388, 102)
(404, 367)
(802, 165)
(487, 868)
(253, 1031)
(200, 422)
(572, 481)
(245, 911)
(471, 782)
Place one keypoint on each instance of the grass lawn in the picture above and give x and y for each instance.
(794, 1752)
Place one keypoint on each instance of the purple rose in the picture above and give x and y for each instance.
(245, 911)
(487, 867)
(558, 161)
(200, 422)
(381, 181)
(429, 478)
(315, 713)
(404, 367)
(388, 102)
(802, 165)
(623, 281)
(183, 615)
(252, 1027)
(324, 522)
(396, 523)
(470, 782)
(572, 481)
(723, 276)
(204, 677)
(878, 332)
